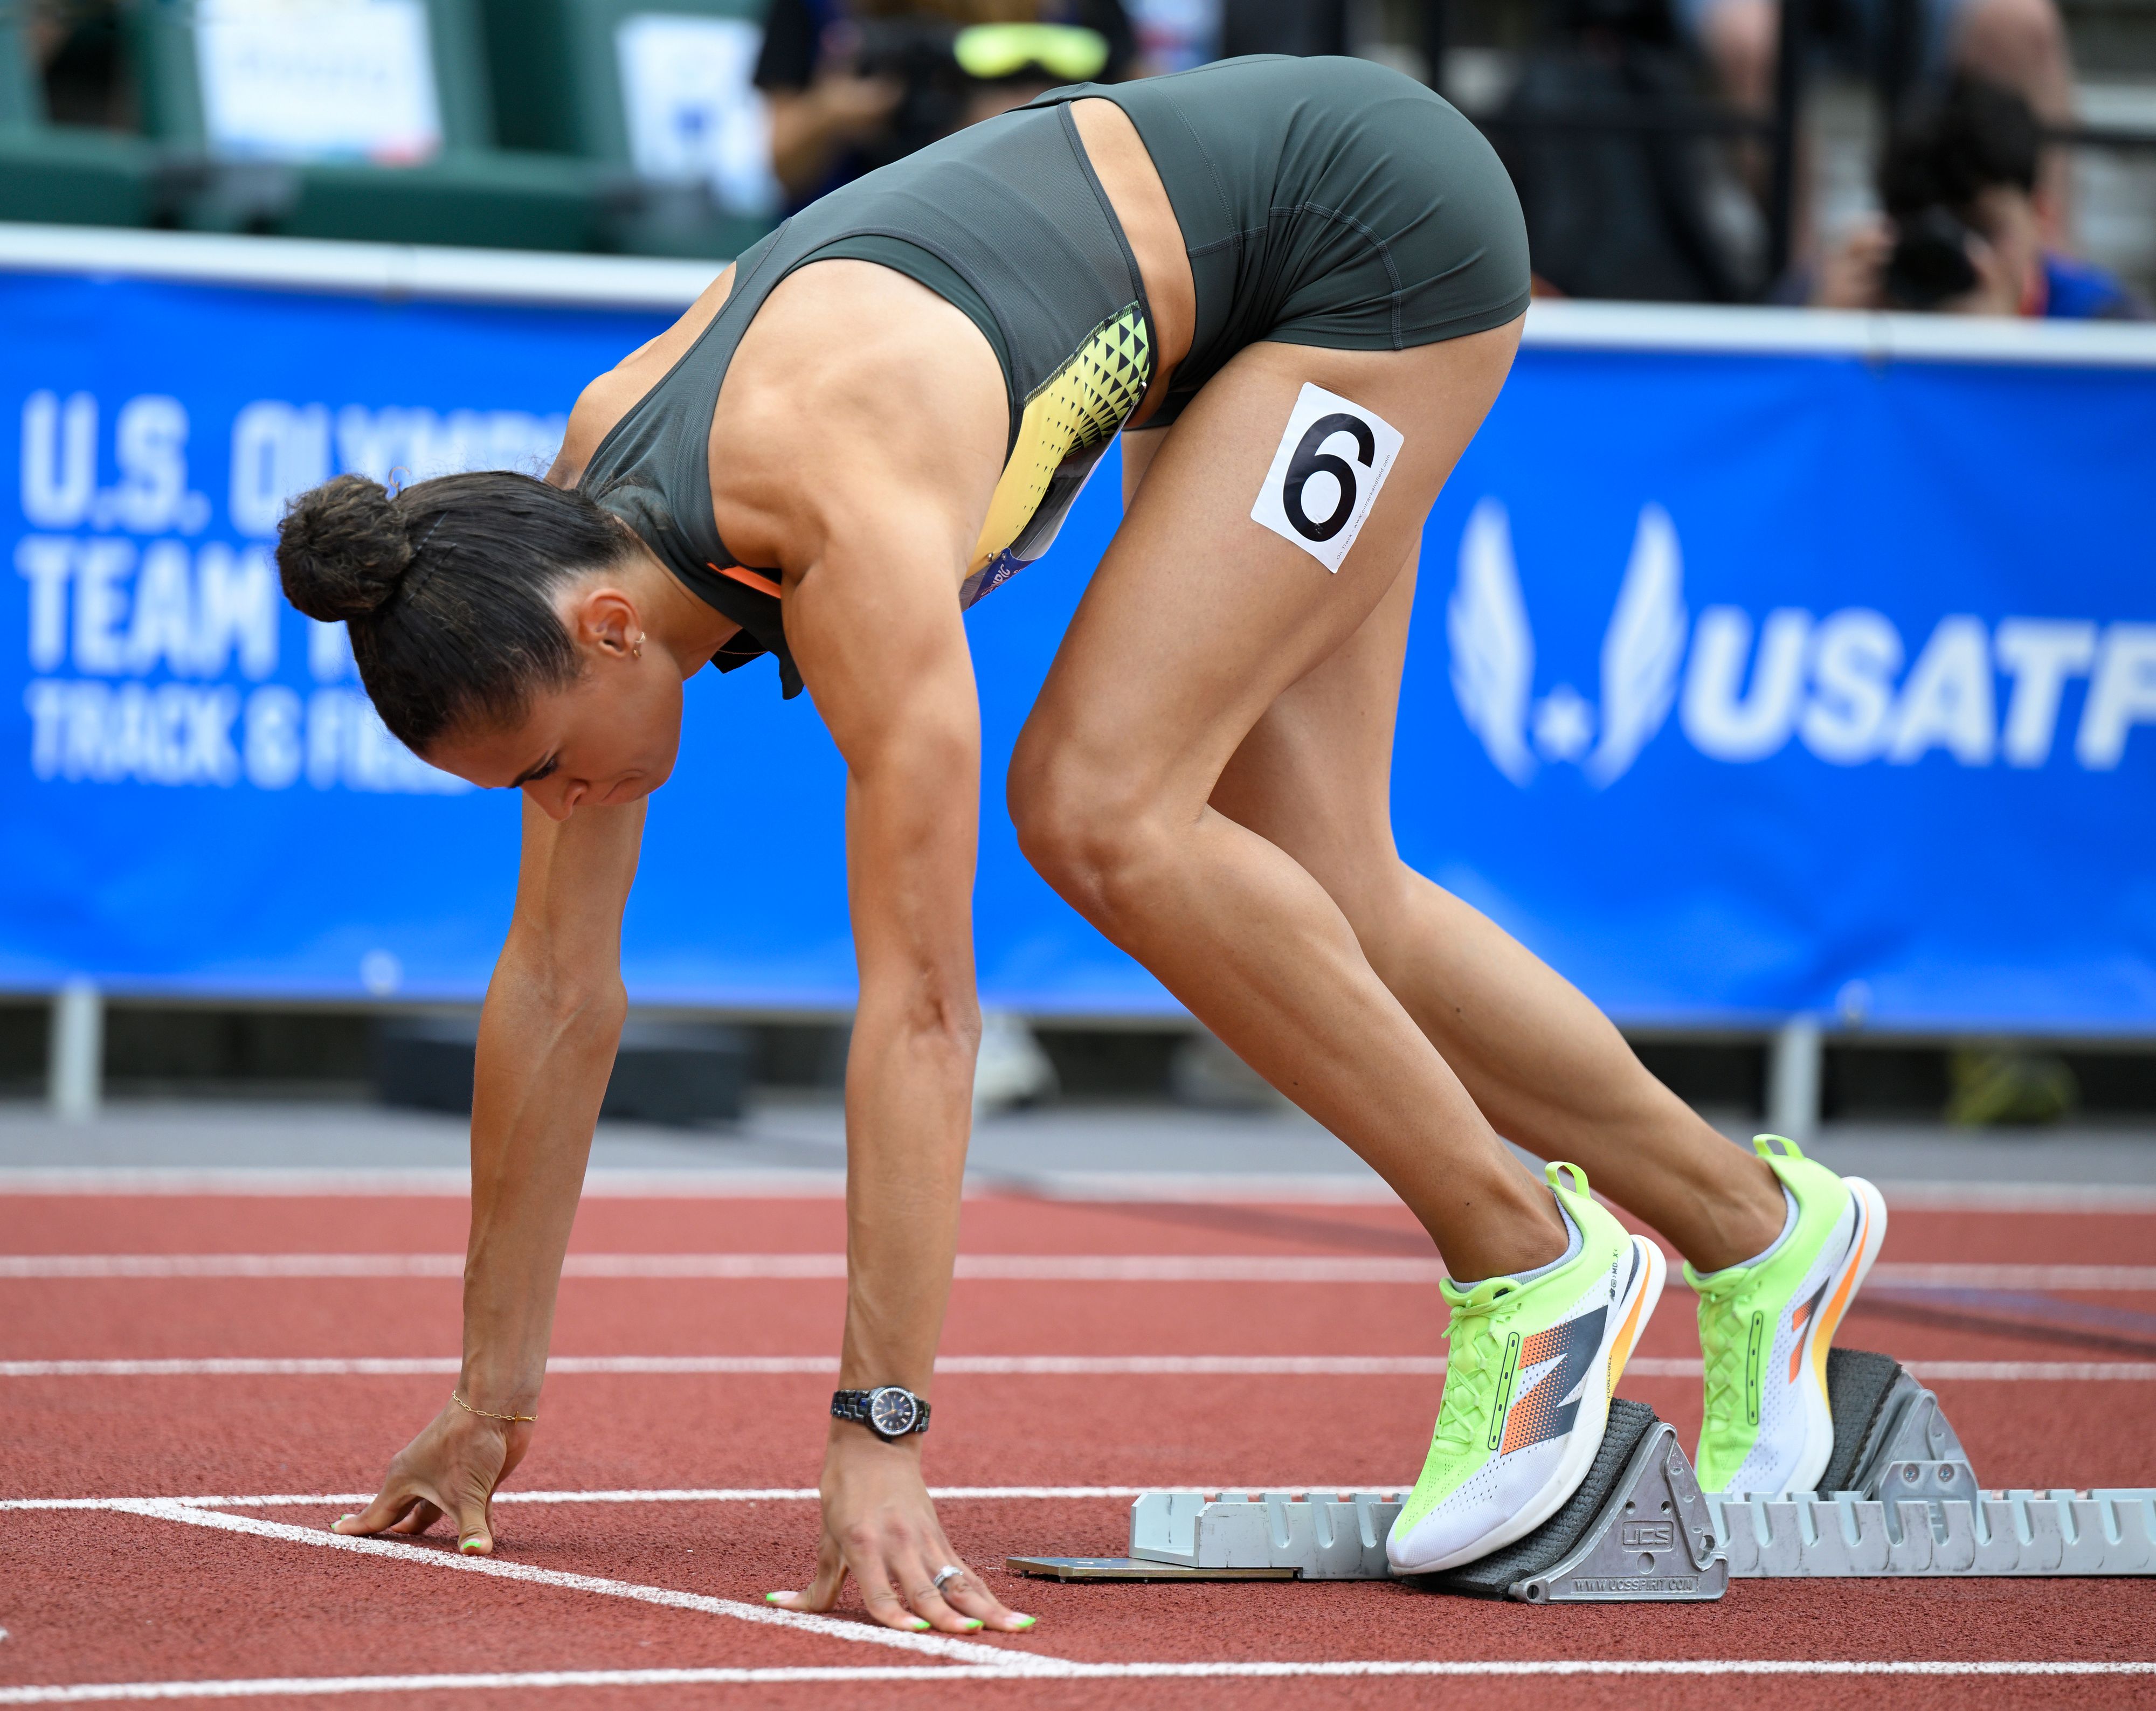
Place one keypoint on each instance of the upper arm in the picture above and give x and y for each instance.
(876, 629)
(881, 646)
(872, 521)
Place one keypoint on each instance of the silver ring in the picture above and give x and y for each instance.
(950, 1571)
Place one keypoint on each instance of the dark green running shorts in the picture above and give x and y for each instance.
(1325, 201)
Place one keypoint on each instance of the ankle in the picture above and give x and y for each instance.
(1740, 1221)
(1511, 1232)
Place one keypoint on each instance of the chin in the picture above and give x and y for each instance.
(633, 788)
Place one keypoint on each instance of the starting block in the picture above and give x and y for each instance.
(1901, 1498)
(1638, 1528)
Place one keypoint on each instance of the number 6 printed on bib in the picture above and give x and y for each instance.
(1333, 460)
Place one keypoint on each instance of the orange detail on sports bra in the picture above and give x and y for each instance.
(749, 579)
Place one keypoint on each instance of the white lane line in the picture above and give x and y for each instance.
(993, 1365)
(266, 1686)
(693, 1495)
(801, 1494)
(1911, 1275)
(996, 1366)
(2033, 1371)
(997, 1267)
(1298, 1189)
(939, 1645)
(1000, 1268)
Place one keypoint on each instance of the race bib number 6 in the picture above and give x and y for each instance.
(1333, 460)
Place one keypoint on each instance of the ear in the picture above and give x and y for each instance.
(604, 620)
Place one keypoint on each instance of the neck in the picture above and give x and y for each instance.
(680, 626)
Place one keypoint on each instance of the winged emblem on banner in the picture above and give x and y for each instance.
(1493, 655)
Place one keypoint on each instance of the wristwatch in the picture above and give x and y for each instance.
(891, 1412)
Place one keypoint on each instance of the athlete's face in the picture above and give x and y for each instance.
(608, 737)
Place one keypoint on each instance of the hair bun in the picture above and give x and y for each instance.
(343, 549)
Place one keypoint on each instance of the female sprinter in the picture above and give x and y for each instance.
(1315, 271)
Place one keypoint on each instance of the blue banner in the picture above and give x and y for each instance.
(1744, 685)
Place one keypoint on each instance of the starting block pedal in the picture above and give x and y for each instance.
(1638, 1528)
(1899, 1498)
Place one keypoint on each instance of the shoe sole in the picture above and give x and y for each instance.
(1619, 1337)
(1818, 1336)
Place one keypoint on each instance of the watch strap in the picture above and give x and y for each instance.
(853, 1406)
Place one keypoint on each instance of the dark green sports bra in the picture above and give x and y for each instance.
(1007, 221)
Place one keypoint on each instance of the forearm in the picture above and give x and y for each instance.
(546, 1049)
(909, 1106)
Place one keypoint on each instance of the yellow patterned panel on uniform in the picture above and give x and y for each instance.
(1077, 410)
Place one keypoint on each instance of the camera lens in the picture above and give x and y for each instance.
(1930, 263)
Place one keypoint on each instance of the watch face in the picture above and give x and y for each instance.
(892, 1410)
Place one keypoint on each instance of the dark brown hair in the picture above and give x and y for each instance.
(1953, 149)
(447, 588)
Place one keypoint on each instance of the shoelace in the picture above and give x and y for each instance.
(1723, 1342)
(1470, 1371)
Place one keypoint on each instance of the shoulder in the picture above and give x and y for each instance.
(854, 385)
(606, 400)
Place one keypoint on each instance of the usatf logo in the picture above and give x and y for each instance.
(1742, 690)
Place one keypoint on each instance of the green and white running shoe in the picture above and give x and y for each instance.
(1526, 1389)
(1765, 1328)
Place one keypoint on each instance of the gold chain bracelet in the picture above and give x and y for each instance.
(488, 1414)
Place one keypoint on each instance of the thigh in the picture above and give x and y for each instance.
(1198, 617)
(1313, 776)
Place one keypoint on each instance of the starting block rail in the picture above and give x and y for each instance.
(1904, 1502)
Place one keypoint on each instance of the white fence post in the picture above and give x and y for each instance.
(75, 1080)
(1795, 1060)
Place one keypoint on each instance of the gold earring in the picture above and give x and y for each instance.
(636, 648)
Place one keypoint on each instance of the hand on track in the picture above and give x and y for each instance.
(450, 1468)
(880, 1527)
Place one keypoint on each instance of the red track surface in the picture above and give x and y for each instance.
(100, 1596)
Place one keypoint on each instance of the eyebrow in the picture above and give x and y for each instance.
(536, 771)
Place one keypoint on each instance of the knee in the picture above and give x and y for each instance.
(1097, 841)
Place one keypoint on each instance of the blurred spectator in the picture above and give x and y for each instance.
(75, 46)
(1175, 35)
(853, 84)
(1298, 26)
(2018, 43)
(1637, 211)
(1961, 234)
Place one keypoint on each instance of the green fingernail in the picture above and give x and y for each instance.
(472, 1544)
(773, 1597)
(341, 1520)
(972, 1624)
(1022, 1624)
(918, 1625)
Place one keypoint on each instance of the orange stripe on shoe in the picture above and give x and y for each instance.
(1831, 1317)
(1799, 1318)
(1620, 1351)
(748, 579)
